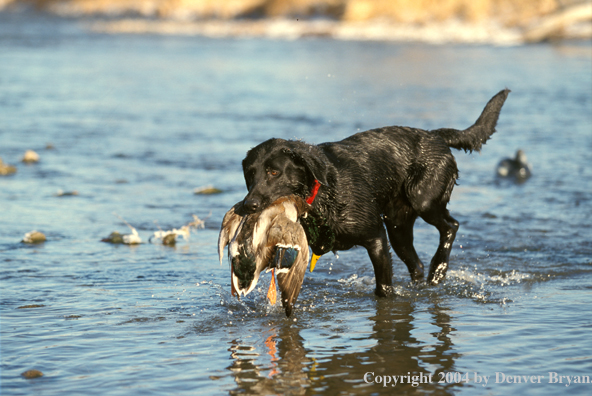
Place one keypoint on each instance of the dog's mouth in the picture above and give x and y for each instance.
(251, 206)
(241, 210)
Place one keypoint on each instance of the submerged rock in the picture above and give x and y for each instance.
(34, 237)
(30, 157)
(6, 169)
(31, 374)
(62, 193)
(114, 237)
(117, 238)
(170, 240)
(207, 190)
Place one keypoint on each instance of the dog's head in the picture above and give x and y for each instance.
(278, 168)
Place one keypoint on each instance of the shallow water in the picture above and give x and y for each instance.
(136, 122)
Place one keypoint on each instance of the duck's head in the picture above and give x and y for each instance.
(244, 271)
(245, 265)
(521, 158)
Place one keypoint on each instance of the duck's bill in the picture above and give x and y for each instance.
(313, 261)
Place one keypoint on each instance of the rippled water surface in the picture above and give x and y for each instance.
(133, 123)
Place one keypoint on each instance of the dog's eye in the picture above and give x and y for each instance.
(273, 172)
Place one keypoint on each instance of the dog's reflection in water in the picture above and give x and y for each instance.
(276, 360)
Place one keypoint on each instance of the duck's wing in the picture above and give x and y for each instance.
(290, 281)
(290, 259)
(230, 225)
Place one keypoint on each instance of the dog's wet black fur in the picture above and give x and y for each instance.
(382, 178)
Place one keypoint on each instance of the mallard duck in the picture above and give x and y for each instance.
(518, 167)
(272, 239)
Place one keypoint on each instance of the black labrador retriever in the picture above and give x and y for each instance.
(387, 176)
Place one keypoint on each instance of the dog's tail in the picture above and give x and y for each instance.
(476, 135)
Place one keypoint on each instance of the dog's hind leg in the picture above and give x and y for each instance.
(447, 226)
(378, 250)
(399, 220)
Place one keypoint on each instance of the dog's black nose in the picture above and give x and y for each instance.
(251, 205)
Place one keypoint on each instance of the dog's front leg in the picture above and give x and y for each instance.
(378, 250)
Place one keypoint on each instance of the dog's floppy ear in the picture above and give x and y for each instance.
(313, 160)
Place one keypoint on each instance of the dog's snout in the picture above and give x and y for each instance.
(251, 205)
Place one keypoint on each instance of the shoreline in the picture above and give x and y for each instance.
(284, 29)
(572, 22)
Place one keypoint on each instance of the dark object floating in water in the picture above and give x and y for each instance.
(31, 374)
(272, 239)
(517, 168)
(31, 306)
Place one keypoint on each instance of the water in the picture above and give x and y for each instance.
(136, 122)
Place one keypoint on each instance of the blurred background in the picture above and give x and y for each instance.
(502, 21)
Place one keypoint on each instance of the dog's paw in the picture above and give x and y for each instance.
(437, 274)
(417, 276)
(384, 290)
